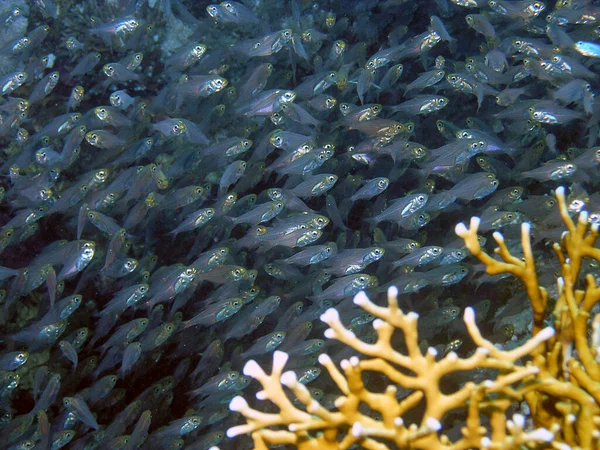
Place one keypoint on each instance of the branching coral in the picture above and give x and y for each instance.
(560, 380)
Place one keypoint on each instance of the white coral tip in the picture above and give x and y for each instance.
(252, 369)
(313, 407)
(560, 191)
(475, 221)
(238, 403)
(519, 420)
(541, 434)
(460, 229)
(392, 291)
(354, 361)
(546, 333)
(331, 315)
(279, 360)
(324, 359)
(236, 431)
(469, 315)
(330, 333)
(432, 351)
(486, 442)
(526, 227)
(398, 421)
(498, 237)
(377, 324)
(361, 298)
(433, 424)
(357, 429)
(288, 378)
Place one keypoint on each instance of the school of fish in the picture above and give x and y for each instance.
(185, 186)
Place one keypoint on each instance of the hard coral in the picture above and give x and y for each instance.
(560, 381)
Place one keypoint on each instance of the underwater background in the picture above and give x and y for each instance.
(186, 186)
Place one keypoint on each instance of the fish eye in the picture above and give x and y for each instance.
(453, 78)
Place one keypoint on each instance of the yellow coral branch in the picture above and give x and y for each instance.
(556, 371)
